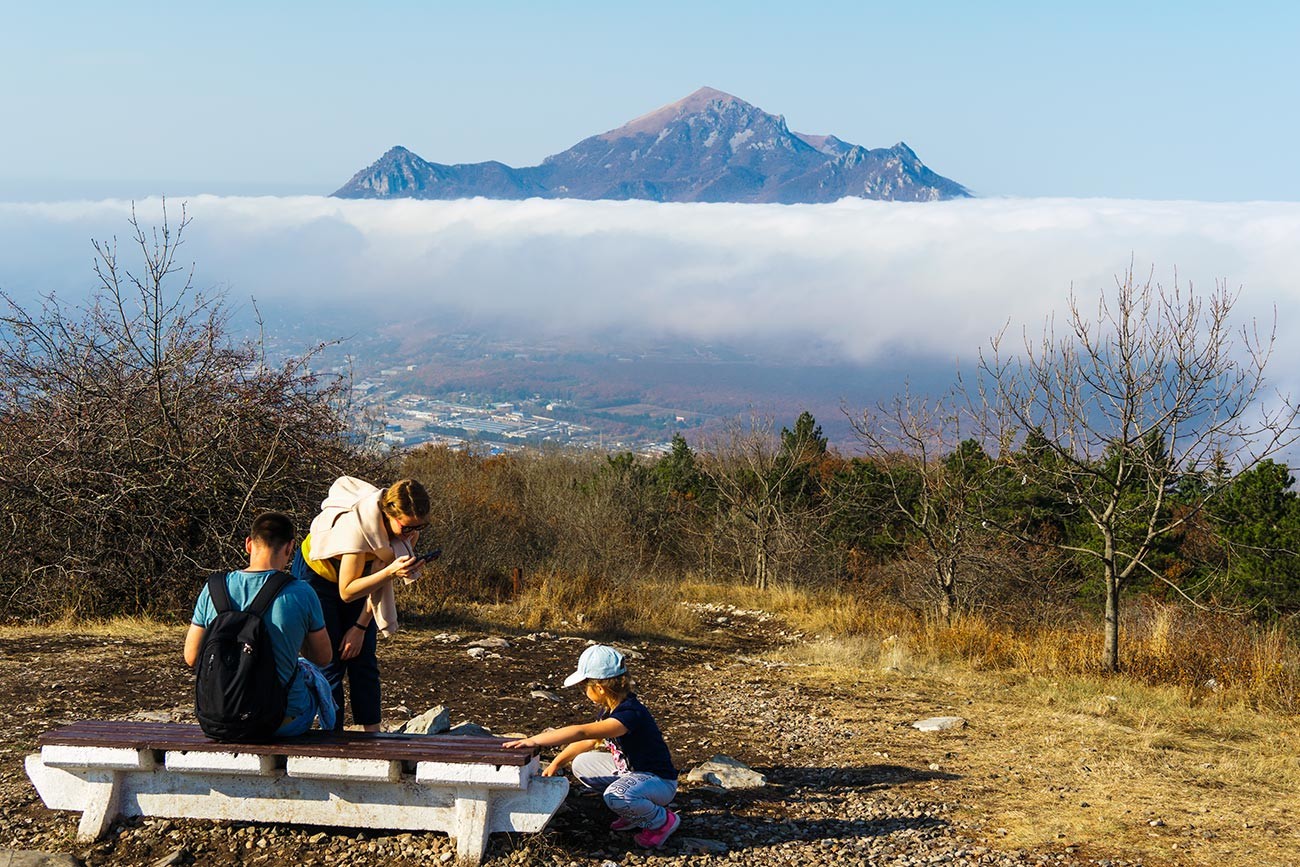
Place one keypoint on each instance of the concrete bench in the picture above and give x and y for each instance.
(467, 787)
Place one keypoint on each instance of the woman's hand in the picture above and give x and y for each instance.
(350, 646)
(552, 769)
(406, 568)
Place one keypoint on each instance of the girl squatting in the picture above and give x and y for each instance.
(637, 773)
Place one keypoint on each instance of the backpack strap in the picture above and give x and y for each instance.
(276, 582)
(217, 590)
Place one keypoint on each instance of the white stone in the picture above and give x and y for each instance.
(433, 721)
(727, 772)
(939, 724)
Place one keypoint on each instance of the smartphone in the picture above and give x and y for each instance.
(428, 556)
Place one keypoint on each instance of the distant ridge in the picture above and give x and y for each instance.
(708, 147)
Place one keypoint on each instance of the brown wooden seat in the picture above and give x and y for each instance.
(352, 745)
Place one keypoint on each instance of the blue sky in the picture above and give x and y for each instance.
(1185, 100)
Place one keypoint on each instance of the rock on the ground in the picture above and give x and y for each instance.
(939, 724)
(702, 846)
(727, 772)
(431, 722)
(469, 729)
(32, 858)
(174, 858)
(493, 643)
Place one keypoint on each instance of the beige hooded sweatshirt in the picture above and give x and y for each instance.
(351, 522)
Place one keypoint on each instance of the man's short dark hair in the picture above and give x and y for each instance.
(272, 529)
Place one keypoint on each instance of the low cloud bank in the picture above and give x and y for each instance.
(862, 279)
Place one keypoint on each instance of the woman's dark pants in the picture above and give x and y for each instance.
(363, 669)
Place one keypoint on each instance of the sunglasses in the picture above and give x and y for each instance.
(408, 529)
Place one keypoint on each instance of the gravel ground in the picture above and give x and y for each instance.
(850, 783)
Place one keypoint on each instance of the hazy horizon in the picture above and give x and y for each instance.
(862, 279)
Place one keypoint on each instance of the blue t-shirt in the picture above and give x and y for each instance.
(642, 748)
(295, 612)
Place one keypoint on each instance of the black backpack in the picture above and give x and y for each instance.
(238, 694)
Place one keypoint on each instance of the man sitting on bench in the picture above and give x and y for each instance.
(292, 622)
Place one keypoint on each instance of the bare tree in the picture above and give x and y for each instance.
(761, 481)
(137, 438)
(937, 482)
(1121, 414)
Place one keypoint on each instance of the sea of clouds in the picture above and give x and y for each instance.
(862, 279)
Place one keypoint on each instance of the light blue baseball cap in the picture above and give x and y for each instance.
(597, 662)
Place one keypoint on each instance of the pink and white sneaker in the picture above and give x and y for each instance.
(654, 838)
(621, 824)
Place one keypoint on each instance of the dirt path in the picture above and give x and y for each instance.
(850, 781)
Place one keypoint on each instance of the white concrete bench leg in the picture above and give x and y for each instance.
(102, 770)
(103, 794)
(471, 832)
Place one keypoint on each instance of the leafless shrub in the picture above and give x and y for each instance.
(138, 439)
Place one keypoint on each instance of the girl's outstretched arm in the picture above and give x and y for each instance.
(606, 728)
(568, 754)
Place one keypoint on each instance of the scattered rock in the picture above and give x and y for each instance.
(174, 858)
(939, 724)
(728, 773)
(431, 722)
(493, 643)
(31, 858)
(701, 846)
(546, 694)
(477, 652)
(469, 729)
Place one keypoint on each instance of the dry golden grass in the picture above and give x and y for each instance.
(1154, 764)
(114, 627)
(1108, 766)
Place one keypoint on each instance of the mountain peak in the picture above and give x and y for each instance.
(397, 152)
(656, 120)
(709, 146)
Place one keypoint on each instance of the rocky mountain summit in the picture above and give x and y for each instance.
(708, 147)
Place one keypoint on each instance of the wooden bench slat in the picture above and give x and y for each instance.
(391, 746)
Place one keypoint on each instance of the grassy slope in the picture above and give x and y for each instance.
(1108, 765)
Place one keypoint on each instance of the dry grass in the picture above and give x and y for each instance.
(1214, 660)
(1110, 767)
(1096, 760)
(113, 627)
(1160, 764)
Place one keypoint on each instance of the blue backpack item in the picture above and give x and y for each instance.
(237, 691)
